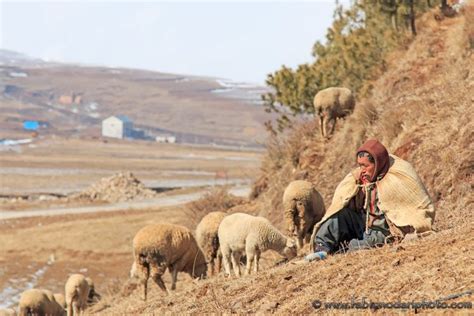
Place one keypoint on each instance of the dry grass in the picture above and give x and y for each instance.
(216, 199)
(416, 271)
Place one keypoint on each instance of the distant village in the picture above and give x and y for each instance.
(115, 126)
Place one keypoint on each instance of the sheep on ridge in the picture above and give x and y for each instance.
(303, 208)
(166, 246)
(330, 104)
(241, 233)
(207, 239)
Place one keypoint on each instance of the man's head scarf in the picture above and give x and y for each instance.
(380, 155)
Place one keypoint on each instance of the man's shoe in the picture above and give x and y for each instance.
(319, 255)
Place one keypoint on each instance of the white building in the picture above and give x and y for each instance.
(118, 126)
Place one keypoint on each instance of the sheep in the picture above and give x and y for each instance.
(162, 246)
(77, 293)
(303, 208)
(240, 232)
(39, 302)
(7, 312)
(330, 104)
(93, 296)
(60, 299)
(207, 239)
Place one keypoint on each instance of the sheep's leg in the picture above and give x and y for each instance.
(174, 276)
(69, 309)
(300, 242)
(333, 124)
(226, 259)
(250, 252)
(75, 309)
(159, 281)
(257, 258)
(321, 119)
(145, 276)
(156, 273)
(250, 259)
(211, 262)
(219, 263)
(236, 263)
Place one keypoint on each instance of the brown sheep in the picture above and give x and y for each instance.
(207, 239)
(166, 246)
(330, 104)
(77, 293)
(303, 208)
(39, 302)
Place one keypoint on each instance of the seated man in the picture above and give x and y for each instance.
(381, 198)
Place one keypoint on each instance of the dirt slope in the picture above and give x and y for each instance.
(422, 110)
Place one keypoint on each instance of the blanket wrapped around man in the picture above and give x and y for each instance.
(401, 196)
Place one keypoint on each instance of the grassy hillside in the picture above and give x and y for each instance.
(422, 110)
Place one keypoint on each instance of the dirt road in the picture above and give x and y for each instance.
(132, 205)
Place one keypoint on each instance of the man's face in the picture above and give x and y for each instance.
(367, 168)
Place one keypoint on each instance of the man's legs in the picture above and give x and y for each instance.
(342, 227)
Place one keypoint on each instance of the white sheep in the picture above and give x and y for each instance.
(166, 246)
(241, 233)
(330, 104)
(207, 239)
(303, 208)
(77, 293)
(39, 302)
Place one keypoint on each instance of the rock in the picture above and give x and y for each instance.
(269, 306)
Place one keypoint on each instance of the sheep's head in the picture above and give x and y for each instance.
(200, 271)
(290, 250)
(199, 266)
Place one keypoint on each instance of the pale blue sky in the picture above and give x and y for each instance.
(238, 40)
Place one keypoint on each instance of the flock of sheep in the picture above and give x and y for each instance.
(221, 237)
(225, 239)
(79, 292)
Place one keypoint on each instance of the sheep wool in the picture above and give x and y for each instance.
(303, 208)
(166, 246)
(330, 104)
(242, 233)
(207, 239)
(77, 292)
(39, 302)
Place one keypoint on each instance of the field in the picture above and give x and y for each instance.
(42, 251)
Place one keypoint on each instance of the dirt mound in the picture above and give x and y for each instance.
(121, 187)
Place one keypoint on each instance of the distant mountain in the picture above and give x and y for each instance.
(11, 58)
(74, 99)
